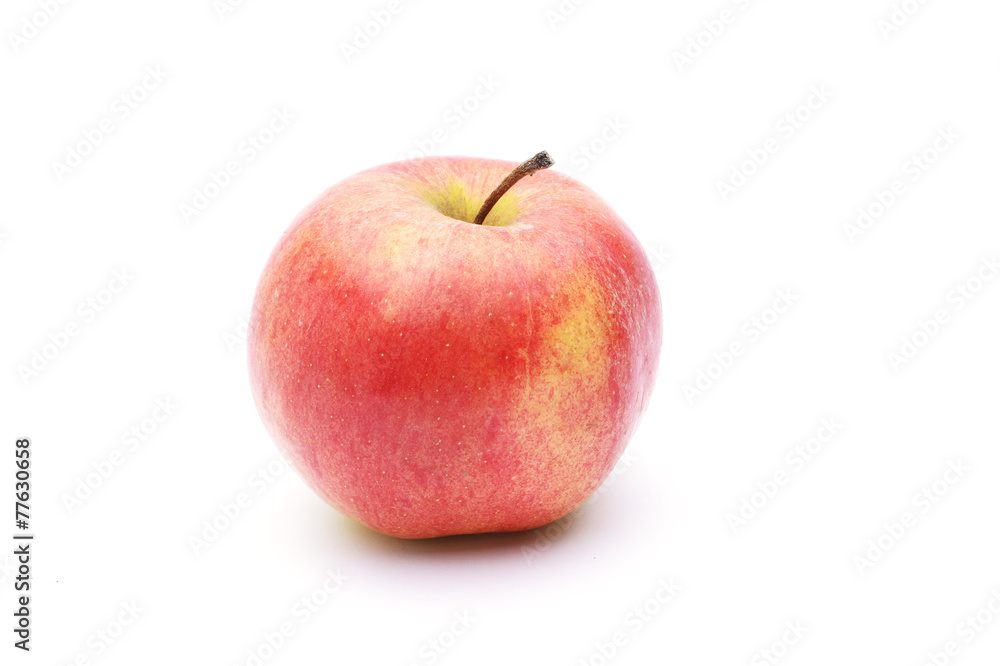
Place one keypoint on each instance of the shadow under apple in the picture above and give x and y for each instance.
(607, 531)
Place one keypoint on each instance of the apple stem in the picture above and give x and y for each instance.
(527, 168)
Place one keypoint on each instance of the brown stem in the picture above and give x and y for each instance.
(540, 161)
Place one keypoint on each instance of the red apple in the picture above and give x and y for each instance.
(430, 376)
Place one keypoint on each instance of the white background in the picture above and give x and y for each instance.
(662, 135)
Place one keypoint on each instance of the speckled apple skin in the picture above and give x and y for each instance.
(428, 376)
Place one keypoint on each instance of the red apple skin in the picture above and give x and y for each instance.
(428, 376)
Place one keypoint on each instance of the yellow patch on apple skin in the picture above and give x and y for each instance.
(566, 399)
(455, 200)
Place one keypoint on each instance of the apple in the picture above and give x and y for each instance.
(429, 373)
